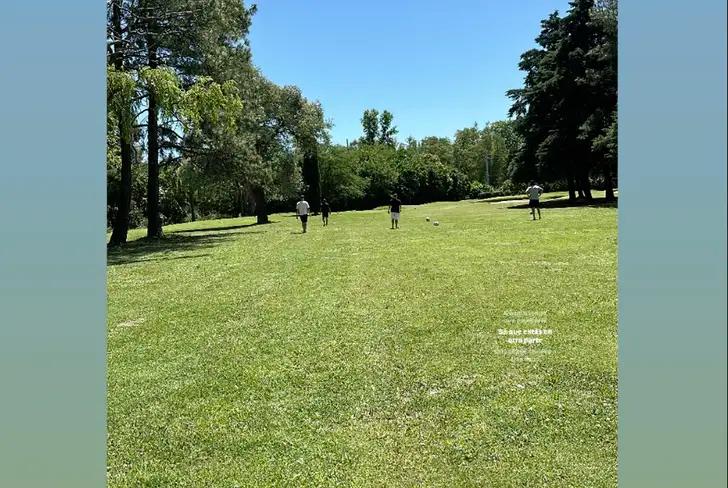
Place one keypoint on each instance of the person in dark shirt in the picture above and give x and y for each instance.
(325, 211)
(395, 206)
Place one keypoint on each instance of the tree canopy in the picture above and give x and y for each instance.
(195, 129)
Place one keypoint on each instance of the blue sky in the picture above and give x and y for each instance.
(437, 67)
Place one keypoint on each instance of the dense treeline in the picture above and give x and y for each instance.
(365, 173)
(195, 130)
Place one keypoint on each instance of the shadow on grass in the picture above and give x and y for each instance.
(158, 249)
(163, 257)
(214, 229)
(565, 203)
(167, 247)
(514, 197)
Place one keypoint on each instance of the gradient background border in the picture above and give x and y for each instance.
(672, 256)
(672, 244)
(52, 244)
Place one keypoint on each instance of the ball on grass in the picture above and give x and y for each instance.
(436, 223)
(427, 219)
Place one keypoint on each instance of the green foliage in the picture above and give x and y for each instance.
(121, 88)
(204, 101)
(485, 155)
(172, 50)
(508, 187)
(164, 84)
(341, 183)
(138, 189)
(370, 125)
(441, 147)
(378, 127)
(469, 152)
(424, 178)
(569, 97)
(387, 131)
(378, 165)
(240, 134)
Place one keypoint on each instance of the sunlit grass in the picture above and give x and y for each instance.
(356, 355)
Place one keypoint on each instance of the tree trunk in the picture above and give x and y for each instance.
(241, 201)
(154, 222)
(608, 184)
(584, 184)
(572, 186)
(311, 177)
(121, 222)
(192, 207)
(609, 192)
(261, 206)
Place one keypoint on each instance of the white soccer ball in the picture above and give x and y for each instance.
(436, 223)
(427, 219)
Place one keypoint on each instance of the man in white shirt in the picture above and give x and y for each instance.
(534, 193)
(302, 210)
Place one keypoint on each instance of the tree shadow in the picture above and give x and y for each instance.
(229, 227)
(506, 199)
(165, 248)
(163, 257)
(566, 203)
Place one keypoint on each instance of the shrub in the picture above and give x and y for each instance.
(508, 187)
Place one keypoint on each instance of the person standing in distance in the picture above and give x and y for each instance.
(534, 193)
(395, 206)
(302, 210)
(325, 211)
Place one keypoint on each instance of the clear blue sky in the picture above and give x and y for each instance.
(437, 67)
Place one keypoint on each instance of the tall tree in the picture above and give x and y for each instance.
(184, 36)
(370, 125)
(120, 101)
(468, 154)
(561, 108)
(601, 81)
(387, 131)
(276, 143)
(440, 147)
(575, 101)
(310, 129)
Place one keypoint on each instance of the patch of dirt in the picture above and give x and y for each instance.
(132, 323)
(508, 201)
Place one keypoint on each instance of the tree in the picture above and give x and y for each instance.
(424, 178)
(370, 124)
(341, 184)
(274, 152)
(177, 35)
(601, 79)
(501, 144)
(534, 108)
(565, 102)
(468, 152)
(576, 104)
(440, 147)
(386, 130)
(310, 130)
(120, 110)
(378, 165)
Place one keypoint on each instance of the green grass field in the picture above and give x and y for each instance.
(355, 355)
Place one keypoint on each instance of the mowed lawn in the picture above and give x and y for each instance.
(355, 355)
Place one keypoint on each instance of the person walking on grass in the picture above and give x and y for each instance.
(325, 211)
(395, 206)
(534, 194)
(302, 210)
